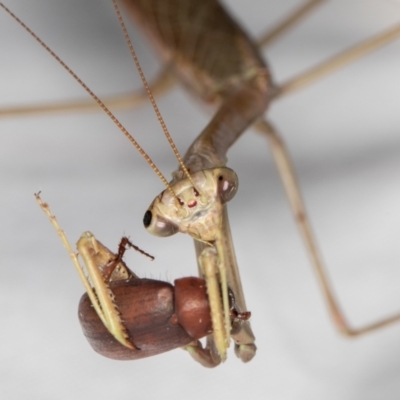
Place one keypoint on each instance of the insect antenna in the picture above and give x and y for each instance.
(96, 98)
(150, 95)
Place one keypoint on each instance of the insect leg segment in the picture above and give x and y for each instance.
(209, 265)
(286, 24)
(216, 345)
(206, 356)
(91, 251)
(287, 174)
(93, 254)
(159, 85)
(338, 61)
(74, 256)
(222, 269)
(241, 331)
(115, 269)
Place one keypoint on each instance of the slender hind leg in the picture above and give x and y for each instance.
(286, 170)
(287, 174)
(338, 61)
(159, 85)
(334, 63)
(288, 23)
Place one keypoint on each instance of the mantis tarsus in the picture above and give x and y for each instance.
(285, 132)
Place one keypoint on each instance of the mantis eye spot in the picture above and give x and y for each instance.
(158, 225)
(147, 218)
(227, 187)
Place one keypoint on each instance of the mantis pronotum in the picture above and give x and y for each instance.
(284, 129)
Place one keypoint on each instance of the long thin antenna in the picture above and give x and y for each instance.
(98, 101)
(151, 97)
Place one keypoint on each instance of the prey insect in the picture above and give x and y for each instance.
(226, 70)
(125, 317)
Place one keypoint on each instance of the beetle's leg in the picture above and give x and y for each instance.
(234, 312)
(286, 171)
(115, 269)
(124, 243)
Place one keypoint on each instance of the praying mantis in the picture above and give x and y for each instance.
(145, 206)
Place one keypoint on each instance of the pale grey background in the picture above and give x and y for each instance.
(344, 137)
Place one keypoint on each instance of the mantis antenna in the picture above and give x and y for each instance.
(105, 108)
(150, 95)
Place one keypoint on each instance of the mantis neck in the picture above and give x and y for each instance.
(237, 113)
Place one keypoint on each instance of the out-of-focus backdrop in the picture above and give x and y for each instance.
(343, 133)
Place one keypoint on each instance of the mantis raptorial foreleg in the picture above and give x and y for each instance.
(94, 254)
(241, 331)
(208, 262)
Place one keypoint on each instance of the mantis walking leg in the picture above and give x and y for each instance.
(159, 85)
(287, 174)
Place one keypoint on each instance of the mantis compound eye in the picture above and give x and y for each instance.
(159, 226)
(147, 218)
(227, 185)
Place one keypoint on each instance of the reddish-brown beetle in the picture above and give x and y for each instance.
(158, 316)
(155, 316)
(151, 316)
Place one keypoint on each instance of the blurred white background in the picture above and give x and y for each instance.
(343, 133)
